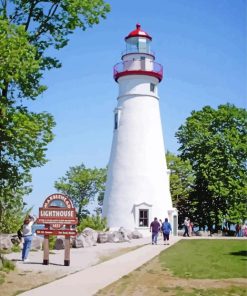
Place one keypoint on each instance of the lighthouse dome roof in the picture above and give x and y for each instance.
(138, 32)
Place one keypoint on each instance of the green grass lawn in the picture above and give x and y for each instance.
(207, 259)
(201, 267)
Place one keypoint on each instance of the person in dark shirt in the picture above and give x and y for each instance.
(166, 228)
(155, 228)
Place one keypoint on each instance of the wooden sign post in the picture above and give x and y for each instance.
(58, 215)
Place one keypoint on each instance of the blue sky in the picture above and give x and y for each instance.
(202, 47)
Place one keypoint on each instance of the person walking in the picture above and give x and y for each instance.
(161, 232)
(238, 229)
(27, 236)
(191, 225)
(155, 228)
(166, 229)
(186, 226)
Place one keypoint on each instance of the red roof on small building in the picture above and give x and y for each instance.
(138, 33)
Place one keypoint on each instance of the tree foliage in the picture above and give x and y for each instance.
(214, 141)
(181, 185)
(50, 23)
(82, 185)
(94, 222)
(27, 30)
(24, 135)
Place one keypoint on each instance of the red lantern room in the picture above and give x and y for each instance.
(138, 59)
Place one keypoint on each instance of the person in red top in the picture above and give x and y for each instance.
(155, 228)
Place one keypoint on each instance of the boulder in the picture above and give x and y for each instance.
(81, 241)
(15, 240)
(37, 242)
(59, 243)
(117, 237)
(127, 235)
(136, 234)
(92, 234)
(102, 237)
(5, 241)
(87, 238)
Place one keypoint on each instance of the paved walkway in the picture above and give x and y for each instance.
(88, 281)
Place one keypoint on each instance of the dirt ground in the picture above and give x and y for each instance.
(18, 281)
(34, 274)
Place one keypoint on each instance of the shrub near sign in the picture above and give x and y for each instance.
(58, 215)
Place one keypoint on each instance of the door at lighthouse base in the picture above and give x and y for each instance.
(143, 216)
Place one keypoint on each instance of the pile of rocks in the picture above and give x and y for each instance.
(87, 238)
(7, 241)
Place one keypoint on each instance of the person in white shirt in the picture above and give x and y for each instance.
(186, 226)
(27, 236)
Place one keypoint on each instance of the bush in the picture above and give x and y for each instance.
(52, 242)
(94, 222)
(16, 249)
(6, 265)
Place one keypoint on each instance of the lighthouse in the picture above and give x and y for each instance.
(137, 187)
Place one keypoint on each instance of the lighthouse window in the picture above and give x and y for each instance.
(116, 121)
(152, 87)
(143, 218)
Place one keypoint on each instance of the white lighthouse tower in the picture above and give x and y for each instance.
(137, 188)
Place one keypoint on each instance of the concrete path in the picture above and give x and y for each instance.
(88, 281)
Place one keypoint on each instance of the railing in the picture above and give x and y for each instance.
(133, 51)
(138, 67)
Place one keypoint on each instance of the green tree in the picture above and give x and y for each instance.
(27, 30)
(181, 185)
(24, 135)
(214, 141)
(82, 185)
(50, 23)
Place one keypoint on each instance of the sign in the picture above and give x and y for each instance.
(56, 232)
(57, 211)
(58, 215)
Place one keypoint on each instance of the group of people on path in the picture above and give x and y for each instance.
(164, 227)
(241, 230)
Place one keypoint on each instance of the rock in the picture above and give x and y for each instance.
(37, 243)
(102, 237)
(15, 240)
(92, 234)
(117, 237)
(87, 238)
(136, 234)
(180, 232)
(59, 244)
(127, 235)
(81, 241)
(5, 241)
